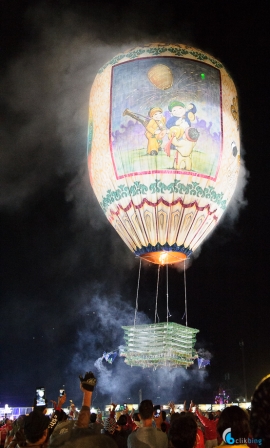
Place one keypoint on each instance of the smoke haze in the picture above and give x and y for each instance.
(118, 381)
(79, 290)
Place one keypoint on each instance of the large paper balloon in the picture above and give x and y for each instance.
(163, 147)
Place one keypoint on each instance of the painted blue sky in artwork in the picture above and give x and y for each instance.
(132, 89)
(193, 82)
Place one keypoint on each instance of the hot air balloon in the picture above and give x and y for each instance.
(163, 157)
(163, 147)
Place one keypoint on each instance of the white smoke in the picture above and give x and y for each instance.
(102, 319)
(45, 91)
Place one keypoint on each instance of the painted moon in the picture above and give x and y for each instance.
(161, 76)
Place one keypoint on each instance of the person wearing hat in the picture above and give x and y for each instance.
(155, 130)
(181, 113)
(178, 110)
(180, 120)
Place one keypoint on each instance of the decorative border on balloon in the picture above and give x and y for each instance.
(176, 186)
(157, 51)
(162, 247)
(161, 201)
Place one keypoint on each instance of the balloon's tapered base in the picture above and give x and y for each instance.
(163, 257)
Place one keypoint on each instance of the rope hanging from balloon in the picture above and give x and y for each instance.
(185, 288)
(138, 285)
(167, 293)
(156, 313)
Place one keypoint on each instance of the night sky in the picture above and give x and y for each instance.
(68, 282)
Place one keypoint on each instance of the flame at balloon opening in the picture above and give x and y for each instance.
(163, 254)
(164, 257)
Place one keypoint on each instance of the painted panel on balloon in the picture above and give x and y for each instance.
(166, 116)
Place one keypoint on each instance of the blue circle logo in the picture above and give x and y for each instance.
(227, 436)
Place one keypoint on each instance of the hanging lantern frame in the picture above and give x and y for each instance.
(165, 344)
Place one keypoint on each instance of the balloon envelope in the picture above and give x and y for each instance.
(163, 147)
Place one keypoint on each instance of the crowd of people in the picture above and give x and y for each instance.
(150, 427)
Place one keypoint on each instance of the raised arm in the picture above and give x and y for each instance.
(87, 385)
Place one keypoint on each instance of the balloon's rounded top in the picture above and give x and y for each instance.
(162, 49)
(163, 147)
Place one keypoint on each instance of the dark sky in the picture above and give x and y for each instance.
(68, 282)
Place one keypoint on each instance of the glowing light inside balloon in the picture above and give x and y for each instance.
(163, 257)
(160, 345)
(202, 75)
